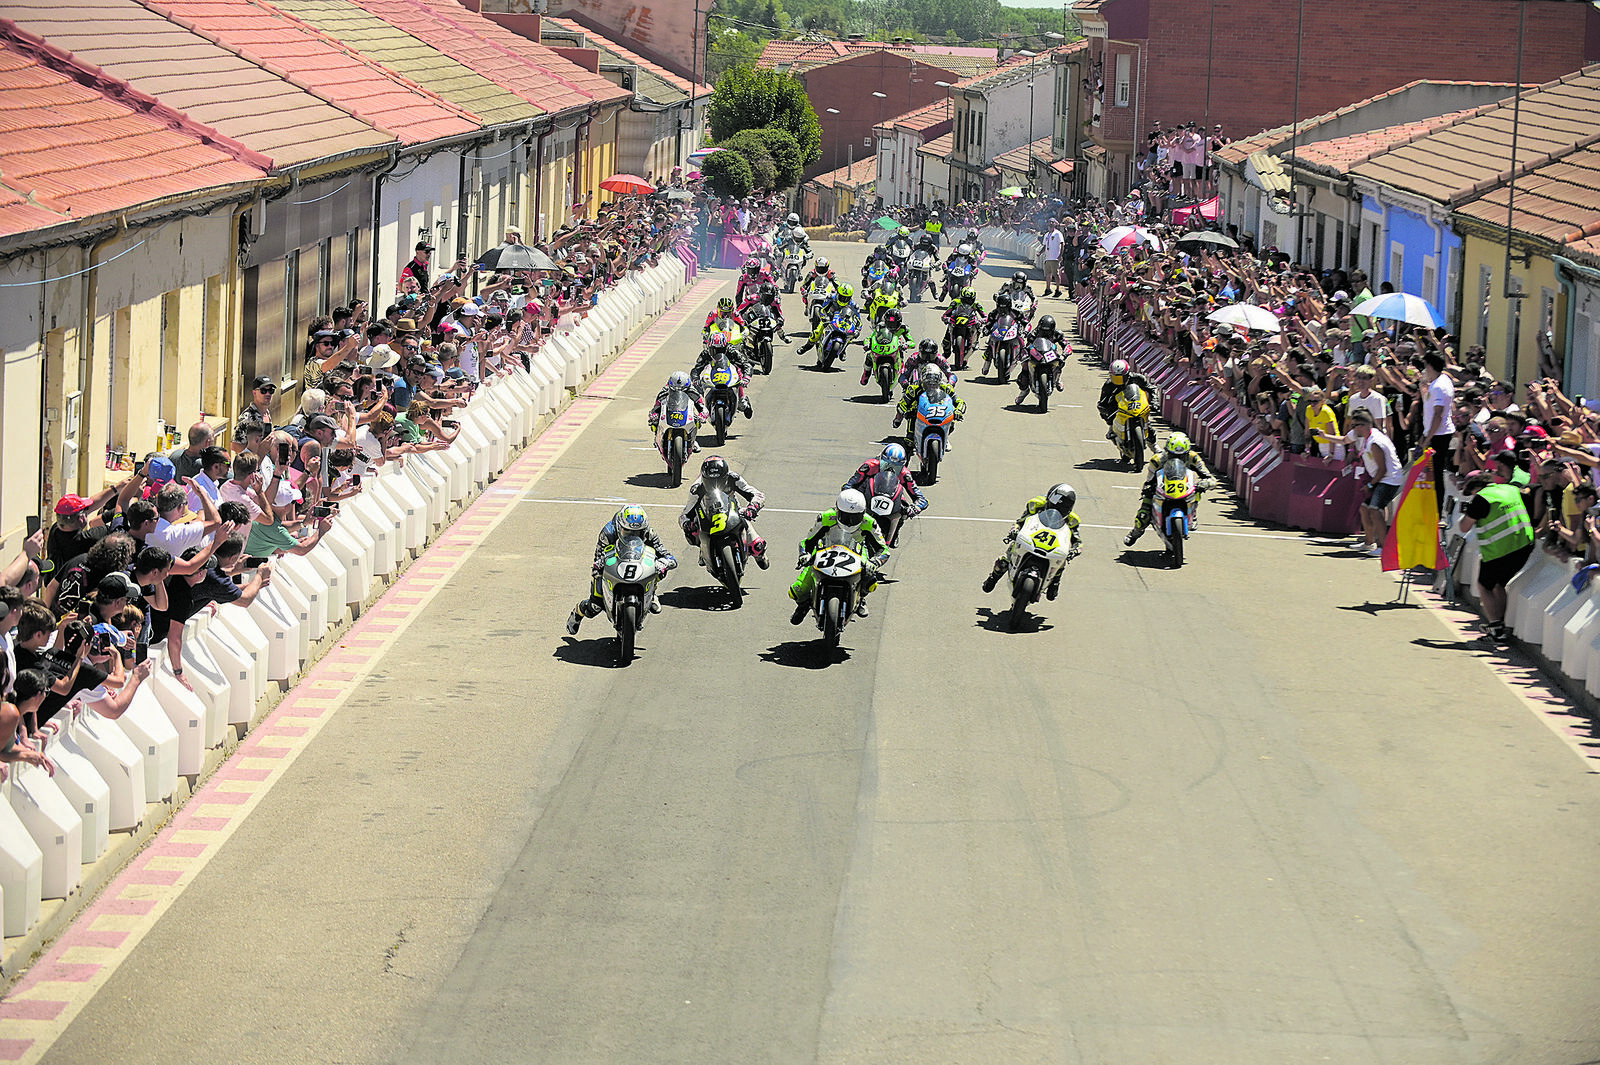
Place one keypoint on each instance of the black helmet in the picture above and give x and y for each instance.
(1061, 497)
(928, 348)
(1002, 299)
(1047, 324)
(892, 319)
(715, 467)
(1019, 278)
(769, 292)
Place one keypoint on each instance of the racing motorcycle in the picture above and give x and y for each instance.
(719, 383)
(1130, 425)
(629, 574)
(817, 293)
(885, 361)
(923, 261)
(839, 568)
(794, 258)
(1177, 495)
(890, 504)
(721, 535)
(1024, 304)
(1039, 363)
(902, 262)
(1005, 334)
(675, 434)
(958, 270)
(840, 331)
(883, 298)
(963, 324)
(1034, 559)
(936, 420)
(876, 271)
(763, 328)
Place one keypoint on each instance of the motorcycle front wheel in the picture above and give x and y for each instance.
(766, 358)
(675, 461)
(627, 628)
(930, 461)
(832, 621)
(1043, 393)
(722, 432)
(1136, 450)
(885, 383)
(1175, 550)
(1026, 591)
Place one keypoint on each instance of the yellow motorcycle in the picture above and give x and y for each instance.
(1130, 426)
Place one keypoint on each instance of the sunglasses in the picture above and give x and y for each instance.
(268, 389)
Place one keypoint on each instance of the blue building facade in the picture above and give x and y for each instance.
(1408, 241)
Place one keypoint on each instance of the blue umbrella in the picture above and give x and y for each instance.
(1400, 307)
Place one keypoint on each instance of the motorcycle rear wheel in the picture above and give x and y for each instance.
(730, 574)
(1026, 591)
(627, 628)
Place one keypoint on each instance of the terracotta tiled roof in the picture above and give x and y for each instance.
(803, 53)
(76, 143)
(1017, 158)
(940, 146)
(373, 36)
(293, 49)
(1586, 251)
(611, 44)
(1337, 156)
(1240, 150)
(1474, 152)
(855, 175)
(211, 84)
(955, 65)
(1558, 201)
(920, 120)
(538, 74)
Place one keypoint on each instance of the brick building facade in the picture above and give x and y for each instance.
(1234, 62)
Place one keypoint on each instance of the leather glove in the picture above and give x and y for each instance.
(598, 566)
(1011, 537)
(800, 563)
(1074, 553)
(922, 504)
(749, 513)
(898, 418)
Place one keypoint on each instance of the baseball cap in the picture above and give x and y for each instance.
(160, 470)
(1533, 432)
(1341, 296)
(264, 382)
(470, 310)
(422, 245)
(318, 422)
(116, 585)
(67, 506)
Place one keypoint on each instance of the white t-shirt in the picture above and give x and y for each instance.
(1053, 243)
(1378, 453)
(206, 485)
(177, 537)
(1441, 393)
(368, 451)
(1374, 404)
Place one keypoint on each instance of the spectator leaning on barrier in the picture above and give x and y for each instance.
(1505, 540)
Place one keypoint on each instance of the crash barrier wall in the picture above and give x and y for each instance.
(112, 775)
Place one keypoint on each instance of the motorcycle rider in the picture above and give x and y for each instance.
(850, 511)
(899, 244)
(755, 273)
(1020, 288)
(1002, 305)
(966, 253)
(840, 303)
(967, 305)
(884, 342)
(928, 377)
(679, 381)
(977, 245)
(1060, 498)
(1120, 375)
(892, 461)
(927, 354)
(720, 318)
(1047, 329)
(628, 521)
(767, 295)
(715, 472)
(1177, 446)
(820, 271)
(897, 325)
(741, 361)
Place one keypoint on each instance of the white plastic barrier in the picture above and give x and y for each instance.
(1557, 613)
(348, 544)
(431, 478)
(240, 624)
(1581, 628)
(206, 676)
(1529, 591)
(309, 582)
(281, 612)
(51, 820)
(366, 509)
(118, 762)
(238, 670)
(21, 873)
(407, 502)
(87, 791)
(146, 726)
(188, 714)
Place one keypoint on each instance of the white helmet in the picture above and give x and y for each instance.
(850, 506)
(793, 219)
(1119, 368)
(678, 381)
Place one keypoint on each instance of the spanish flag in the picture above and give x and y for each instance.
(1414, 536)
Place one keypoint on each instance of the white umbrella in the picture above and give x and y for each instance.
(1400, 307)
(1124, 237)
(1246, 316)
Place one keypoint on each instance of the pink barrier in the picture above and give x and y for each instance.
(736, 248)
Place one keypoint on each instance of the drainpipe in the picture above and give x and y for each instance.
(1566, 273)
(537, 229)
(377, 225)
(91, 295)
(45, 455)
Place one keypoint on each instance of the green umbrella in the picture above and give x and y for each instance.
(1015, 192)
(887, 223)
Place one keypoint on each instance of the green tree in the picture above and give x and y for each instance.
(763, 170)
(728, 173)
(752, 97)
(785, 152)
(729, 50)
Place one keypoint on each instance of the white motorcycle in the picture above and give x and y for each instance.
(1035, 559)
(629, 574)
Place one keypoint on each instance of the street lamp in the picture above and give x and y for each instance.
(834, 111)
(1029, 149)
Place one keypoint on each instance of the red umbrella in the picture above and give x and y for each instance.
(628, 185)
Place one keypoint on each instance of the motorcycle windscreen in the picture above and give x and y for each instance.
(1132, 396)
(1052, 519)
(677, 413)
(1044, 346)
(840, 535)
(717, 509)
(630, 548)
(721, 373)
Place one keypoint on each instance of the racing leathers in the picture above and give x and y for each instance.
(868, 471)
(950, 287)
(1147, 493)
(701, 417)
(749, 281)
(833, 307)
(736, 485)
(775, 305)
(1034, 506)
(912, 371)
(720, 320)
(973, 312)
(1023, 379)
(1107, 404)
(867, 542)
(908, 410)
(610, 533)
(895, 347)
(741, 364)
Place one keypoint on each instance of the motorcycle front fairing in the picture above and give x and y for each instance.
(629, 567)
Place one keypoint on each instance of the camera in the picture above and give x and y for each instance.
(322, 510)
(74, 636)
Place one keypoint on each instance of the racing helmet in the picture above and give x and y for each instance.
(1002, 301)
(769, 292)
(678, 381)
(931, 375)
(751, 266)
(1019, 279)
(845, 293)
(1178, 444)
(850, 506)
(894, 456)
(1047, 324)
(821, 264)
(969, 295)
(928, 349)
(1061, 497)
(725, 303)
(892, 318)
(972, 235)
(793, 219)
(631, 519)
(715, 467)
(1119, 371)
(882, 338)
(903, 231)
(717, 339)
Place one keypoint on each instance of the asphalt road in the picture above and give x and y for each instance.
(1239, 813)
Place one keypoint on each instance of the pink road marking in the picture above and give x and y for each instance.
(31, 1009)
(172, 849)
(14, 1049)
(298, 709)
(254, 748)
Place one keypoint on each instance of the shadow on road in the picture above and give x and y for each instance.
(658, 479)
(804, 654)
(601, 652)
(996, 621)
(1378, 608)
(1105, 465)
(874, 398)
(710, 597)
(1030, 407)
(1156, 559)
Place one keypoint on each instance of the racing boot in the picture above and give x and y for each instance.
(1051, 592)
(801, 608)
(1133, 537)
(744, 406)
(758, 551)
(865, 374)
(994, 575)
